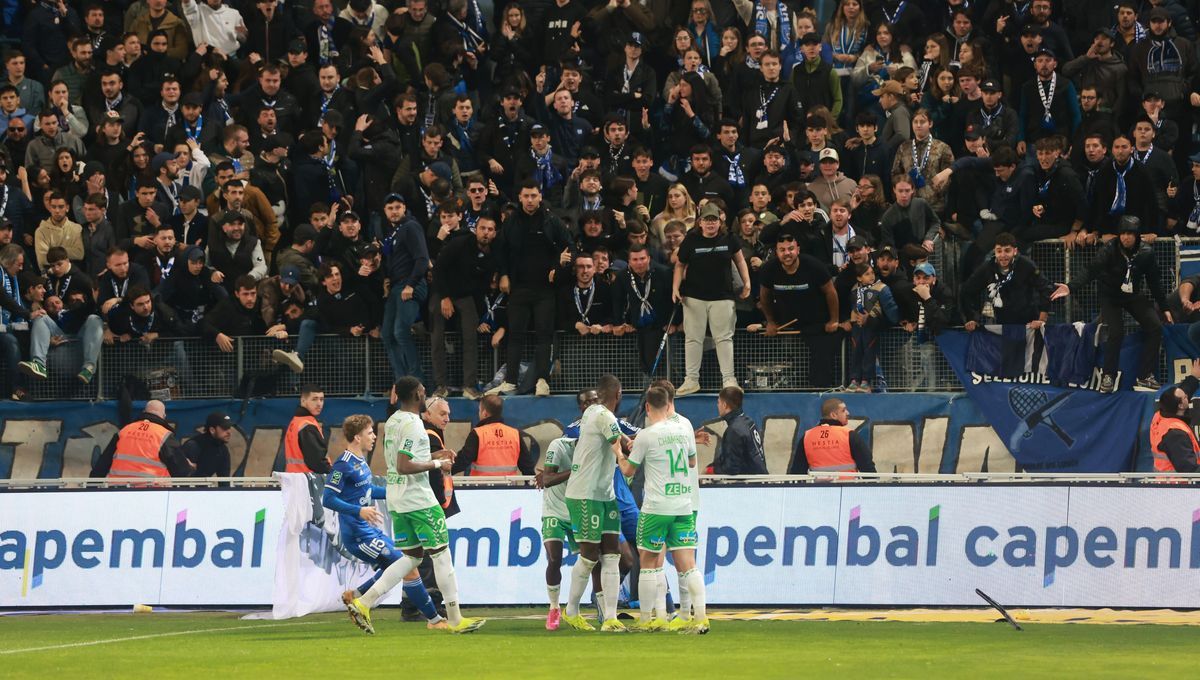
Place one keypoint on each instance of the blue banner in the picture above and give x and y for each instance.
(1038, 391)
(908, 432)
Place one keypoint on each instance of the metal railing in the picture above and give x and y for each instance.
(347, 366)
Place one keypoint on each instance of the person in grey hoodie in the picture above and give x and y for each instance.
(830, 184)
(1101, 68)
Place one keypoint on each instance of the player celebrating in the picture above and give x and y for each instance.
(556, 521)
(593, 507)
(349, 492)
(666, 450)
(418, 522)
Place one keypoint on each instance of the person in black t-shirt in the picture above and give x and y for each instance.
(704, 284)
(798, 287)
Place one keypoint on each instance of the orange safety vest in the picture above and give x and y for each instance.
(138, 446)
(499, 449)
(292, 454)
(447, 480)
(1159, 427)
(827, 448)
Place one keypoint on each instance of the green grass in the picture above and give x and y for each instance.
(328, 645)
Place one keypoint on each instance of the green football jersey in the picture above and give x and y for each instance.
(592, 471)
(559, 456)
(663, 451)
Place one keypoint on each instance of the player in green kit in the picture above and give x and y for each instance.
(683, 618)
(418, 522)
(666, 451)
(591, 502)
(556, 520)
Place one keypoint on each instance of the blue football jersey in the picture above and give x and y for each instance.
(350, 480)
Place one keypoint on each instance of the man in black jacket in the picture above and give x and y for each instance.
(740, 451)
(463, 268)
(1007, 290)
(533, 243)
(1118, 270)
(209, 450)
(642, 303)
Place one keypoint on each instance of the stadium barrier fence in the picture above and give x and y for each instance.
(194, 368)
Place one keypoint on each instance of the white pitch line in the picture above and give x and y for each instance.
(131, 638)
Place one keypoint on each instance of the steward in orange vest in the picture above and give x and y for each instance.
(494, 449)
(304, 445)
(832, 446)
(1172, 440)
(144, 449)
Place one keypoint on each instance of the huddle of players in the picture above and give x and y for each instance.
(579, 510)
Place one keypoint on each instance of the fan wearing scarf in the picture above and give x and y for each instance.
(1184, 217)
(1049, 103)
(1122, 187)
(15, 313)
(1164, 63)
(1060, 206)
(544, 165)
(585, 303)
(773, 20)
(457, 36)
(1121, 270)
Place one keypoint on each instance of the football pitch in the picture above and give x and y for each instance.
(514, 644)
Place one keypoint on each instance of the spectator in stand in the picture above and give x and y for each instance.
(1059, 206)
(1049, 104)
(921, 159)
(234, 253)
(191, 290)
(462, 270)
(1122, 267)
(160, 259)
(796, 289)
(533, 243)
(584, 303)
(642, 300)
(1183, 302)
(831, 185)
(704, 286)
(407, 261)
(300, 255)
(994, 119)
(740, 449)
(1123, 187)
(1008, 289)
(140, 319)
(873, 309)
(1163, 176)
(68, 310)
(920, 352)
(909, 219)
(342, 309)
(58, 230)
(241, 315)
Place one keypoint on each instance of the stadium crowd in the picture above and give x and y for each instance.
(282, 168)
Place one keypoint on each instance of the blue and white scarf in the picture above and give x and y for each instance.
(1163, 57)
(783, 25)
(546, 174)
(1118, 204)
(14, 291)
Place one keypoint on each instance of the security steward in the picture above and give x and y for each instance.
(209, 450)
(740, 451)
(494, 449)
(832, 446)
(304, 445)
(145, 448)
(1172, 440)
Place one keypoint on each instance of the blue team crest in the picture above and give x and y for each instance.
(1034, 408)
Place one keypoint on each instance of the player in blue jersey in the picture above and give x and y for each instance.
(350, 493)
(626, 503)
